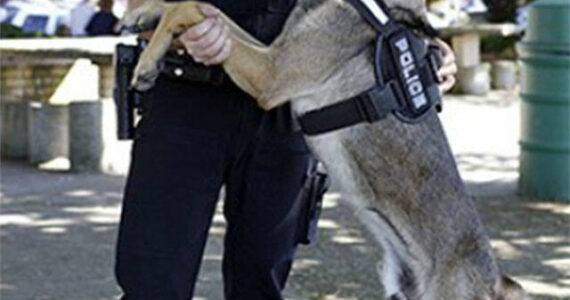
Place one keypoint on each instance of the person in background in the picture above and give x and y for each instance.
(104, 22)
(80, 17)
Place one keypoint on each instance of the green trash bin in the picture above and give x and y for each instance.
(545, 108)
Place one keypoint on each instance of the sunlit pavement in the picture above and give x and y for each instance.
(58, 229)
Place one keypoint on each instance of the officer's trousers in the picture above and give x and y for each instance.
(192, 140)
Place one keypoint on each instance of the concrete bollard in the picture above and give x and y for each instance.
(14, 122)
(47, 132)
(85, 136)
(474, 80)
(504, 74)
(116, 154)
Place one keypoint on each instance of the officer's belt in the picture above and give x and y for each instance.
(409, 91)
(178, 65)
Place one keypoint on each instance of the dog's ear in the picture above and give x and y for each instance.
(510, 290)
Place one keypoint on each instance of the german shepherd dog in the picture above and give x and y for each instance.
(404, 177)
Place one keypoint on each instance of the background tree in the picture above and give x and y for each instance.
(502, 10)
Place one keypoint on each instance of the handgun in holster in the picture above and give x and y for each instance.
(127, 100)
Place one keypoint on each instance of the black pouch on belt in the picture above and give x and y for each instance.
(311, 196)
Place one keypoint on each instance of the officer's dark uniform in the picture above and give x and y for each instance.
(194, 138)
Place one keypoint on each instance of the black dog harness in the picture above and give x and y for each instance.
(407, 83)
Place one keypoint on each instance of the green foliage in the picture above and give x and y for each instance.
(499, 47)
(501, 10)
(504, 10)
(8, 31)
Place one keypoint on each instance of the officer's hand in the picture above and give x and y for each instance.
(448, 69)
(208, 42)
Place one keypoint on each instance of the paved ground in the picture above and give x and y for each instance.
(58, 229)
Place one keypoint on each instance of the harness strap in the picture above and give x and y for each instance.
(370, 106)
(376, 13)
(409, 91)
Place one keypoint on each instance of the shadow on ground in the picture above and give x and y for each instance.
(531, 240)
(58, 233)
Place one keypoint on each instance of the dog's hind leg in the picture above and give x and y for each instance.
(390, 272)
(397, 277)
(399, 280)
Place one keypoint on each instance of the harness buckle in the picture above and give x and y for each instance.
(367, 108)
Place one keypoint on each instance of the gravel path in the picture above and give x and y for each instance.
(58, 229)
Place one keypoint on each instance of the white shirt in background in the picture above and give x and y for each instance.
(80, 17)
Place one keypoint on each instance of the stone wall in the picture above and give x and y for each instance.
(31, 82)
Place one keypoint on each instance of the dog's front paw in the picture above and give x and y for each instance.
(143, 18)
(144, 76)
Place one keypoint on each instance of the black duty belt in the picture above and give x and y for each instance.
(407, 84)
(178, 65)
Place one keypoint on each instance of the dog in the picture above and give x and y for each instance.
(403, 177)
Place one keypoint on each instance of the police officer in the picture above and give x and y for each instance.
(195, 137)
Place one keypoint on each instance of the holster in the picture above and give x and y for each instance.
(128, 101)
(311, 197)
